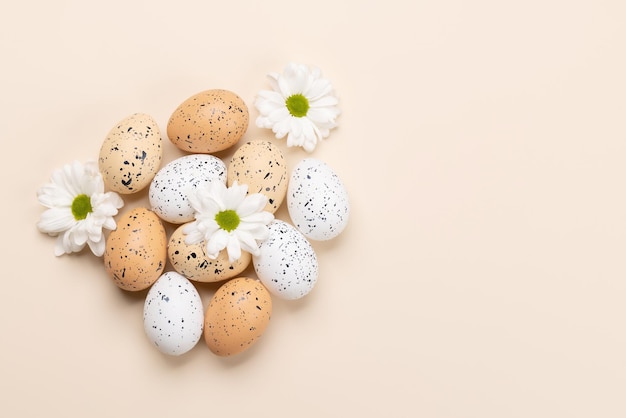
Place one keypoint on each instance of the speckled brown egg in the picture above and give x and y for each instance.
(191, 260)
(237, 316)
(135, 253)
(262, 166)
(208, 122)
(131, 154)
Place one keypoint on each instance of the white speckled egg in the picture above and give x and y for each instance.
(287, 264)
(262, 166)
(317, 200)
(173, 315)
(171, 185)
(131, 154)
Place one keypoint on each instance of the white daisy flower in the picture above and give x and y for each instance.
(301, 105)
(228, 218)
(78, 208)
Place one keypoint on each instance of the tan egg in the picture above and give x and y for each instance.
(237, 316)
(208, 122)
(262, 166)
(191, 260)
(135, 253)
(131, 154)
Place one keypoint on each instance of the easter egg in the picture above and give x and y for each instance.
(209, 121)
(317, 200)
(262, 166)
(135, 252)
(173, 315)
(169, 191)
(287, 263)
(192, 261)
(237, 316)
(131, 154)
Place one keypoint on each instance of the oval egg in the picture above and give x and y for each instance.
(173, 316)
(237, 315)
(191, 260)
(262, 166)
(287, 263)
(131, 154)
(317, 200)
(135, 253)
(170, 188)
(208, 122)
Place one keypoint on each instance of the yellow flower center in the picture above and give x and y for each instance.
(228, 220)
(298, 105)
(81, 207)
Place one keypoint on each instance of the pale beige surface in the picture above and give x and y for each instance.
(481, 275)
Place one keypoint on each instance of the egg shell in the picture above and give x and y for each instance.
(136, 252)
(317, 200)
(237, 316)
(262, 166)
(131, 154)
(191, 260)
(287, 264)
(173, 314)
(172, 184)
(208, 122)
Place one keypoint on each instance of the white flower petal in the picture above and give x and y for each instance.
(59, 247)
(106, 204)
(235, 195)
(268, 101)
(51, 196)
(248, 243)
(79, 235)
(251, 204)
(202, 202)
(56, 220)
(263, 122)
(217, 243)
(255, 230)
(110, 224)
(319, 89)
(233, 248)
(273, 79)
(295, 126)
(309, 131)
(65, 245)
(193, 236)
(300, 83)
(282, 128)
(294, 141)
(208, 227)
(279, 114)
(309, 145)
(262, 218)
(284, 87)
(97, 247)
(216, 192)
(322, 117)
(325, 101)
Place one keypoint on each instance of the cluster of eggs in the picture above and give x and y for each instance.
(139, 251)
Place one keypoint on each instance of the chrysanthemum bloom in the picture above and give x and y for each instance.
(300, 105)
(228, 218)
(78, 208)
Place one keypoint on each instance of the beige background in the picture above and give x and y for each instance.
(482, 143)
